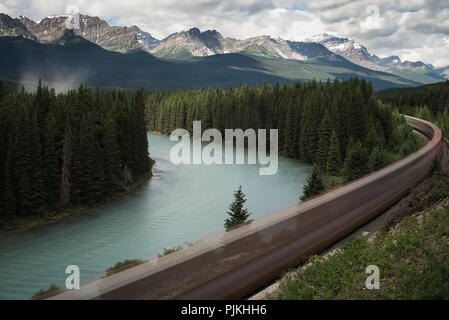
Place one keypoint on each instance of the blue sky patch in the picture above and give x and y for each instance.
(112, 21)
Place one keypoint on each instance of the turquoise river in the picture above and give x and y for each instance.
(179, 204)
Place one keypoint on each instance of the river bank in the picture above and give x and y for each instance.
(179, 204)
(22, 224)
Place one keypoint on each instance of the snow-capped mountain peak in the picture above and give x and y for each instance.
(193, 42)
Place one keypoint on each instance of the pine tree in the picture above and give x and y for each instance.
(9, 199)
(237, 214)
(324, 133)
(140, 162)
(334, 156)
(82, 171)
(22, 167)
(314, 184)
(356, 162)
(372, 139)
(37, 174)
(68, 149)
(289, 147)
(379, 158)
(65, 182)
(50, 161)
(112, 167)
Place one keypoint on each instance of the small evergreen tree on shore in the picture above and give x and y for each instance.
(237, 214)
(314, 185)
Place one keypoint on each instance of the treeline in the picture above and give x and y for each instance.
(67, 150)
(338, 125)
(433, 96)
(430, 102)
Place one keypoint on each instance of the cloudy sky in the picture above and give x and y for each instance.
(411, 29)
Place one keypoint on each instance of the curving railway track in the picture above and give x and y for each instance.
(231, 265)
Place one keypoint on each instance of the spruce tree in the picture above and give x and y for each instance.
(22, 167)
(58, 151)
(289, 147)
(112, 167)
(372, 139)
(9, 199)
(333, 165)
(314, 184)
(51, 160)
(324, 133)
(237, 214)
(356, 163)
(141, 164)
(379, 158)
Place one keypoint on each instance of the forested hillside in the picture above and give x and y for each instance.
(75, 149)
(78, 60)
(430, 102)
(434, 96)
(58, 151)
(340, 126)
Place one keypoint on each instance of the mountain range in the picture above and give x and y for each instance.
(358, 54)
(346, 57)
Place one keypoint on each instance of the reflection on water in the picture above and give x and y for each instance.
(179, 204)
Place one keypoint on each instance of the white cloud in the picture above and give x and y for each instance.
(412, 29)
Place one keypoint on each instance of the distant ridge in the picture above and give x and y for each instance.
(71, 59)
(194, 43)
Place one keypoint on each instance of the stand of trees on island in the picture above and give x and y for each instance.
(66, 150)
(340, 126)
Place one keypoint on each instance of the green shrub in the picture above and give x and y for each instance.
(47, 293)
(123, 265)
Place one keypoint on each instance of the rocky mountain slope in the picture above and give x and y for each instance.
(49, 29)
(348, 48)
(145, 39)
(72, 60)
(14, 27)
(358, 54)
(194, 43)
(187, 43)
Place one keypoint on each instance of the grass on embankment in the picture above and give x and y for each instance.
(47, 293)
(127, 264)
(412, 254)
(123, 265)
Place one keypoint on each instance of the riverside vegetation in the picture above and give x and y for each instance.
(430, 102)
(72, 150)
(340, 126)
(68, 150)
(411, 253)
(237, 213)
